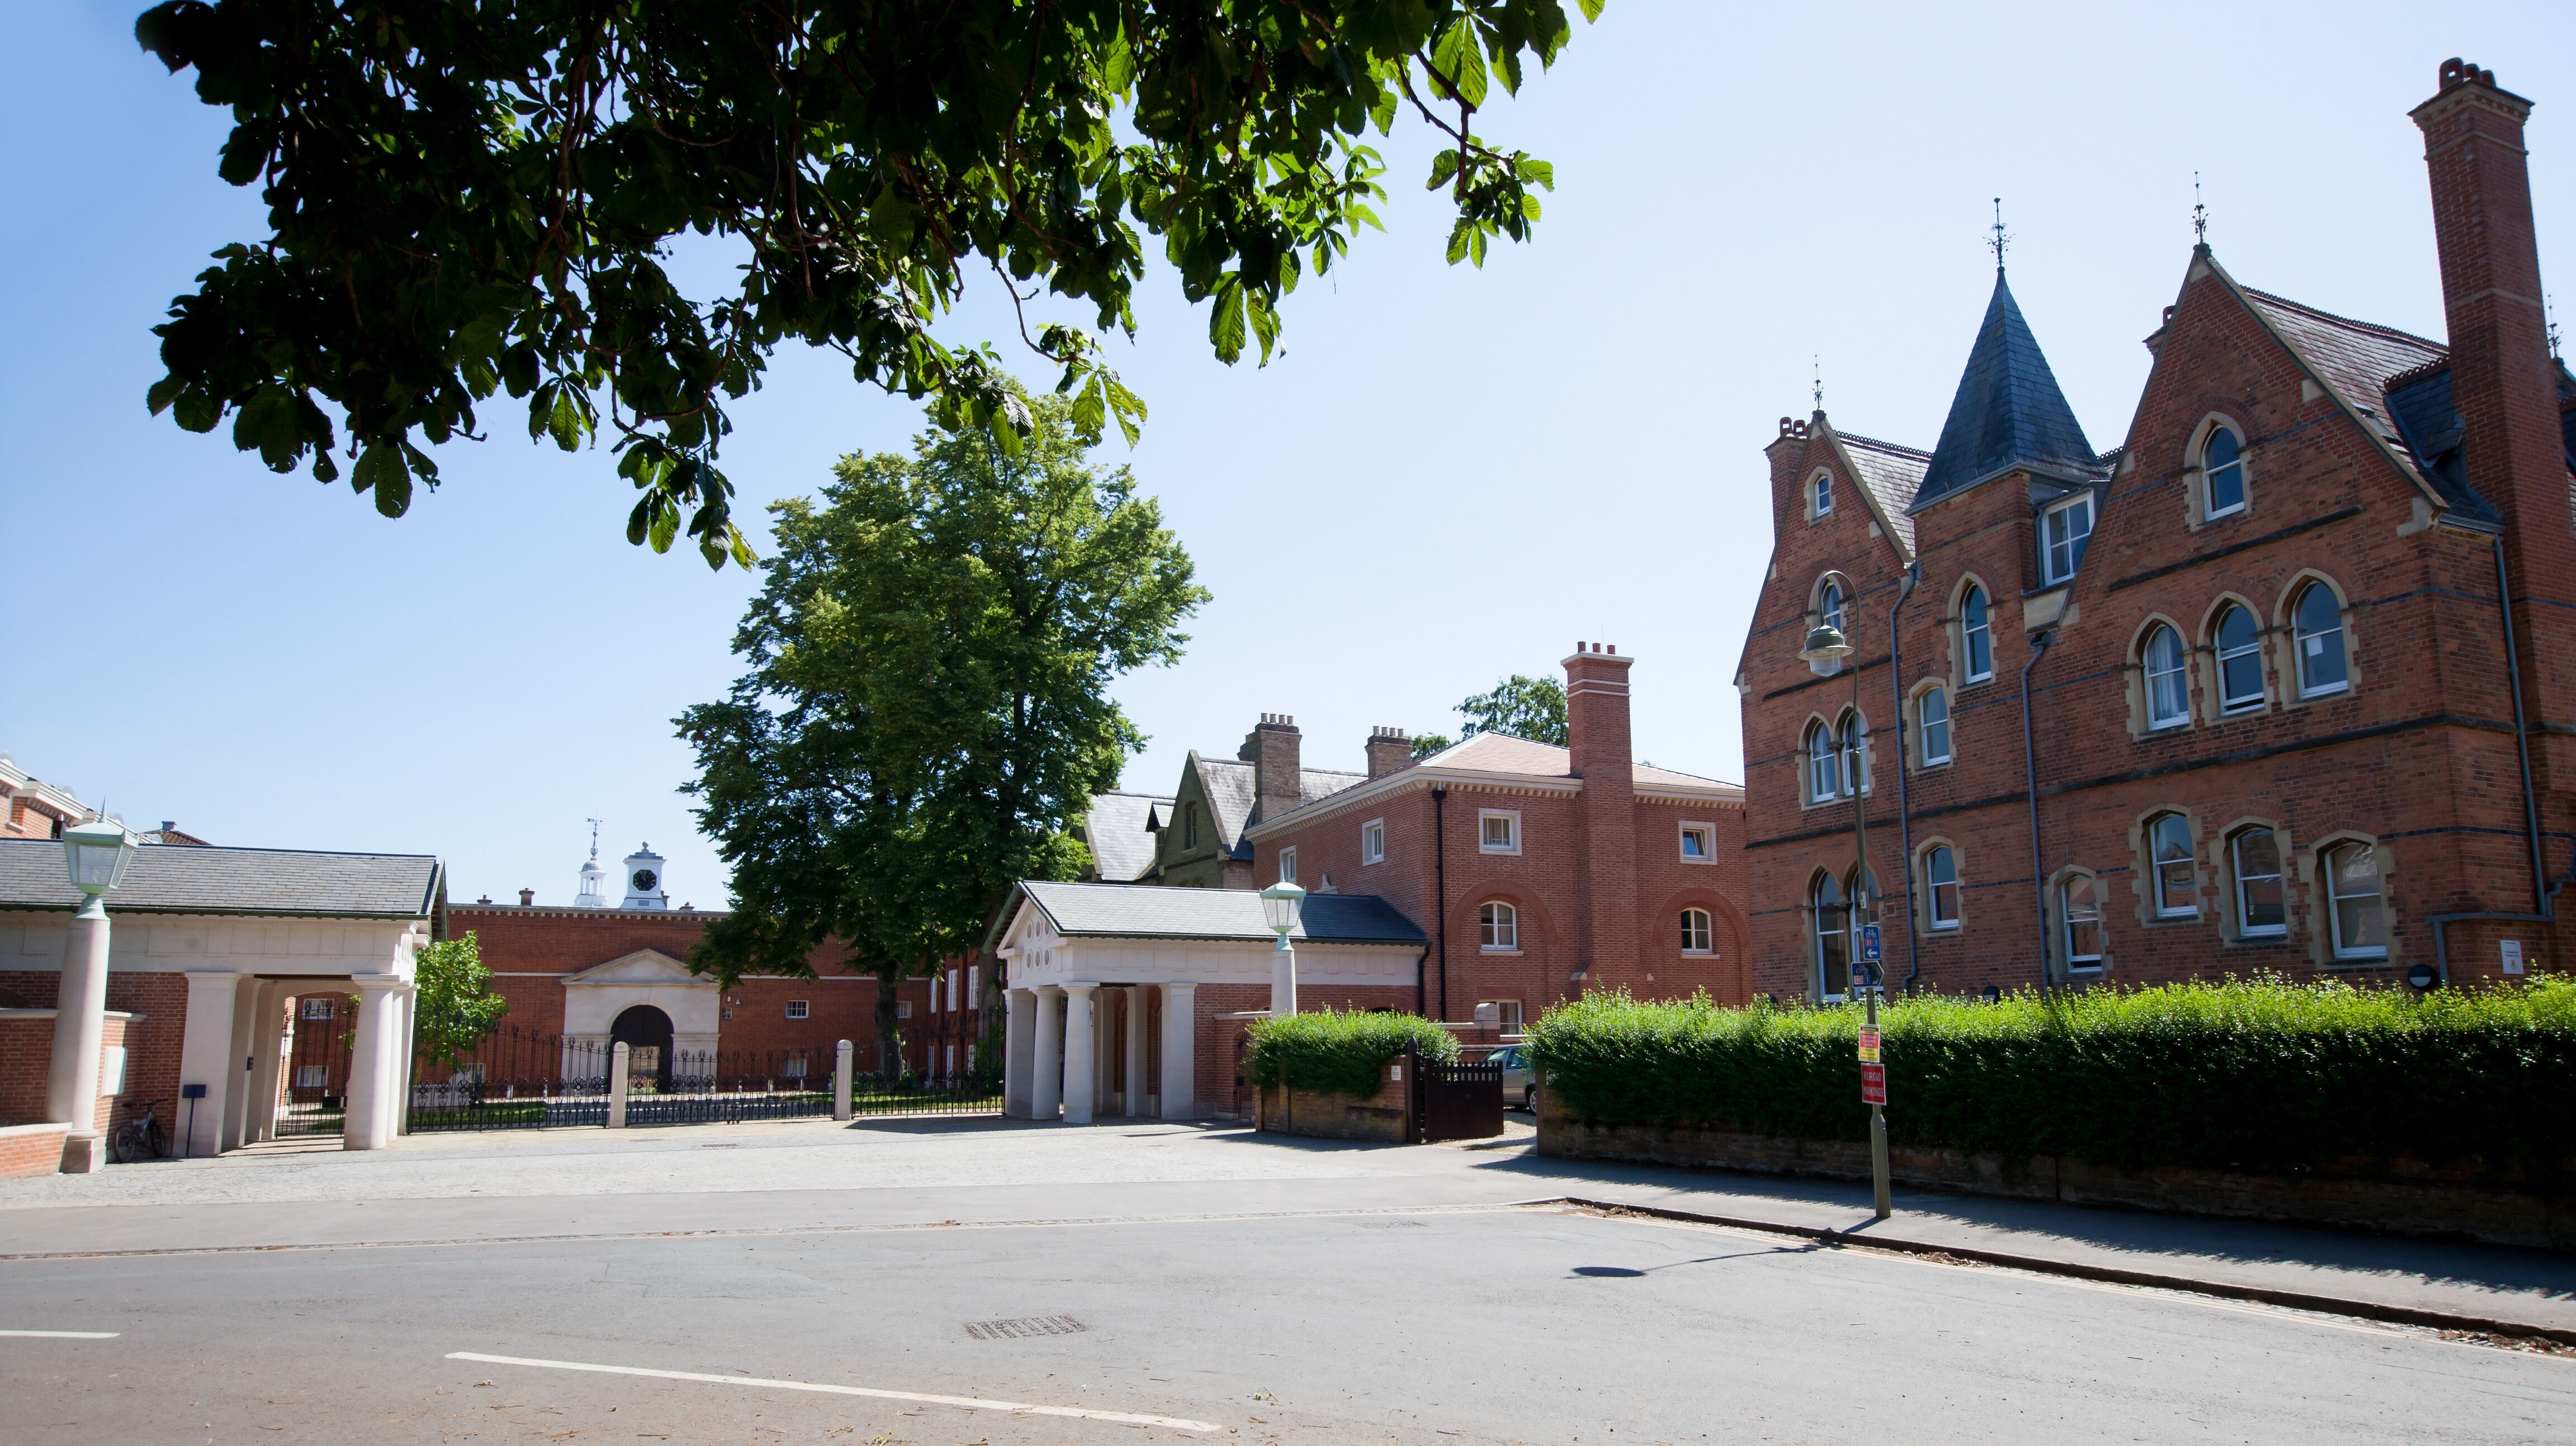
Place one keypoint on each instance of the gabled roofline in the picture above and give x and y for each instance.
(1860, 484)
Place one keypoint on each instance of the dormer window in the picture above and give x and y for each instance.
(2222, 465)
(1824, 486)
(2063, 530)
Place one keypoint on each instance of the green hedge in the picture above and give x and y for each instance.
(1341, 1054)
(2261, 1076)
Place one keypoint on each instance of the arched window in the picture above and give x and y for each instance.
(1824, 493)
(1855, 744)
(2064, 530)
(1941, 885)
(2240, 661)
(1829, 604)
(2360, 910)
(1932, 714)
(2317, 634)
(2260, 909)
(1832, 940)
(2079, 906)
(1498, 926)
(2168, 700)
(1824, 770)
(1697, 936)
(2177, 883)
(2222, 462)
(1975, 635)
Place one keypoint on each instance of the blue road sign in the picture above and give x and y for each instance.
(1869, 950)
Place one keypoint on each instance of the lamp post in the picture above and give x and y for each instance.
(1826, 643)
(97, 853)
(1281, 903)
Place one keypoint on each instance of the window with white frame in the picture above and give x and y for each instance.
(2222, 470)
(1830, 601)
(1699, 843)
(2317, 640)
(1287, 866)
(315, 1008)
(1498, 926)
(2064, 529)
(1855, 746)
(792, 1067)
(2168, 698)
(1498, 831)
(1503, 1014)
(1373, 841)
(796, 1009)
(1824, 765)
(2240, 661)
(1697, 935)
(1932, 716)
(1941, 885)
(974, 983)
(903, 1009)
(2261, 910)
(1976, 635)
(2177, 880)
(1824, 493)
(2360, 907)
(2079, 902)
(1828, 929)
(312, 1076)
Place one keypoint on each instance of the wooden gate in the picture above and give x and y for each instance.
(1457, 1101)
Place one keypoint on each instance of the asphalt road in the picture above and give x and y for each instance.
(1464, 1324)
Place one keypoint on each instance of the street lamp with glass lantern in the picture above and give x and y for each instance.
(1826, 643)
(1281, 904)
(96, 853)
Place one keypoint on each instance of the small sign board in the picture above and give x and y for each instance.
(2513, 956)
(1868, 1045)
(1870, 952)
(1873, 1084)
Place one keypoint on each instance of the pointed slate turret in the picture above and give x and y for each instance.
(2008, 413)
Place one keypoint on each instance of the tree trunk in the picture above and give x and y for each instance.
(889, 1032)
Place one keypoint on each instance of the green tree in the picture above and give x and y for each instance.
(927, 709)
(467, 198)
(456, 1008)
(1524, 707)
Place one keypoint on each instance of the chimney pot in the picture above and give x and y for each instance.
(527, 898)
(169, 825)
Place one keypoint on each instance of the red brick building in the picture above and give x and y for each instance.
(2241, 694)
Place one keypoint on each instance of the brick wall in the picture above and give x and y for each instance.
(31, 1150)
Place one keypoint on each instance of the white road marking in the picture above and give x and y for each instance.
(66, 1335)
(972, 1403)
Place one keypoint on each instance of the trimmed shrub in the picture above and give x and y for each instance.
(2262, 1076)
(1337, 1053)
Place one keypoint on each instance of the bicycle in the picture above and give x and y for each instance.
(141, 1138)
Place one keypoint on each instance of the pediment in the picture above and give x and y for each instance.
(644, 966)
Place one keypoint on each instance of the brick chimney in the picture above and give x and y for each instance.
(1271, 748)
(1388, 751)
(527, 898)
(1596, 726)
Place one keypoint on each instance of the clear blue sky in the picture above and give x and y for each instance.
(1451, 475)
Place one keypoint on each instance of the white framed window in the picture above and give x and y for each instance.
(1932, 714)
(1373, 841)
(1502, 1014)
(2240, 661)
(903, 1009)
(2177, 881)
(2222, 467)
(1828, 930)
(2316, 626)
(1498, 831)
(1855, 746)
(1824, 493)
(1824, 765)
(1287, 866)
(1498, 927)
(796, 1009)
(974, 983)
(2079, 906)
(1697, 935)
(2261, 911)
(1976, 635)
(1941, 885)
(312, 1076)
(792, 1067)
(2360, 907)
(1699, 843)
(2063, 531)
(316, 1008)
(935, 981)
(2168, 699)
(1830, 604)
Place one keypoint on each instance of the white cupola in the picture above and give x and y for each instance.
(644, 881)
(593, 893)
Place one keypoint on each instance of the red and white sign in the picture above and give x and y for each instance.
(1873, 1084)
(1868, 1045)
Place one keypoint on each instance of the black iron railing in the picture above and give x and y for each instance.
(513, 1080)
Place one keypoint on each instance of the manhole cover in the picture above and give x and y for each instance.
(1035, 1325)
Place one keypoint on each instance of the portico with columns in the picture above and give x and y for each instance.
(1127, 1000)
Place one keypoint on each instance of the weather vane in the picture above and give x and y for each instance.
(1818, 361)
(2199, 214)
(594, 836)
(2000, 240)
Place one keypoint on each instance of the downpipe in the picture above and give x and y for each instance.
(1904, 766)
(2543, 891)
(2030, 780)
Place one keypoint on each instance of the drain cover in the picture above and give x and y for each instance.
(1035, 1325)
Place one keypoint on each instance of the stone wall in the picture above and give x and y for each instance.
(1385, 1118)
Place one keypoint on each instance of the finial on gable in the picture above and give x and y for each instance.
(2199, 216)
(2000, 240)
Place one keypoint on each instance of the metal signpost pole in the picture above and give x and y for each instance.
(1865, 932)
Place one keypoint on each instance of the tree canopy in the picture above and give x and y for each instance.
(926, 713)
(1522, 706)
(467, 198)
(456, 1007)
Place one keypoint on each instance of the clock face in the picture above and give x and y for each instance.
(644, 881)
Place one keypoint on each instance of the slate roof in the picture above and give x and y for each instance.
(1132, 912)
(1893, 473)
(2008, 410)
(1117, 829)
(192, 879)
(1228, 784)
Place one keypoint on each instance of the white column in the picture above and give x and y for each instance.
(375, 1095)
(1020, 1050)
(617, 1067)
(1135, 995)
(1283, 980)
(80, 1033)
(1180, 1051)
(267, 1043)
(405, 1031)
(206, 1058)
(244, 1063)
(1080, 1053)
(1047, 1076)
(841, 1054)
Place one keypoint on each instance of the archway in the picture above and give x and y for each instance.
(646, 1033)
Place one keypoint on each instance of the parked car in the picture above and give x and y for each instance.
(1520, 1080)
